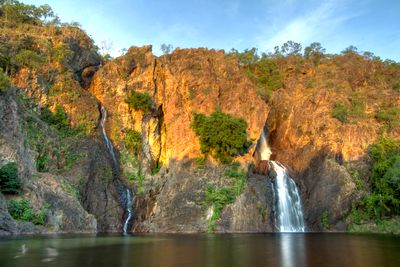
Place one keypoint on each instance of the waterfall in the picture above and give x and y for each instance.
(263, 150)
(288, 209)
(107, 141)
(126, 196)
(128, 209)
(289, 213)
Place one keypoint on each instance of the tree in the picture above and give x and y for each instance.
(166, 48)
(315, 52)
(9, 180)
(291, 48)
(140, 101)
(4, 81)
(28, 58)
(14, 11)
(351, 50)
(221, 135)
(105, 48)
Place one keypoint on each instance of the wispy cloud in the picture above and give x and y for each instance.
(321, 19)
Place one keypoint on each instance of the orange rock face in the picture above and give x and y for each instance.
(187, 81)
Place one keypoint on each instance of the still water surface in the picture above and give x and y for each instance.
(250, 250)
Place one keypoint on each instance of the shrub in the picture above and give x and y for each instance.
(140, 101)
(133, 140)
(389, 116)
(325, 220)
(384, 199)
(4, 81)
(9, 180)
(22, 211)
(340, 112)
(218, 198)
(200, 162)
(42, 162)
(345, 111)
(221, 135)
(58, 118)
(28, 58)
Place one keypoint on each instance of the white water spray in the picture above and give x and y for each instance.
(106, 140)
(128, 209)
(289, 214)
(110, 149)
(288, 209)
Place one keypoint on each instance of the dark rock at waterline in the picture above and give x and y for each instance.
(7, 224)
(252, 211)
(178, 203)
(332, 193)
(101, 193)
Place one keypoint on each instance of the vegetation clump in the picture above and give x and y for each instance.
(384, 198)
(221, 135)
(133, 140)
(4, 81)
(351, 111)
(262, 70)
(219, 198)
(9, 180)
(389, 116)
(22, 211)
(140, 101)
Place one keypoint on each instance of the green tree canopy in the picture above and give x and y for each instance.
(221, 135)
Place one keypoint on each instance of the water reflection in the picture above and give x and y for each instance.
(292, 250)
(286, 250)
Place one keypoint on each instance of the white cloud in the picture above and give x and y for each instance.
(320, 20)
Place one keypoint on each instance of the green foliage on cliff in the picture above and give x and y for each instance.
(58, 118)
(4, 81)
(389, 116)
(349, 111)
(28, 58)
(384, 198)
(140, 101)
(12, 11)
(22, 211)
(218, 198)
(262, 70)
(9, 180)
(325, 220)
(221, 135)
(133, 140)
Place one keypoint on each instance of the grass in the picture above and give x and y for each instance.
(219, 198)
(70, 189)
(389, 226)
(22, 211)
(325, 220)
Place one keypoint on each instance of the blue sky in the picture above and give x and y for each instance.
(370, 25)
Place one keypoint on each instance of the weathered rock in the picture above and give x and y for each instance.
(12, 145)
(100, 195)
(66, 214)
(188, 81)
(328, 188)
(7, 224)
(262, 167)
(252, 211)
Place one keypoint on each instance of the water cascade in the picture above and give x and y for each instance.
(128, 209)
(288, 209)
(125, 195)
(289, 213)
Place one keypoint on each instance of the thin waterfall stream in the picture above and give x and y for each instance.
(288, 209)
(126, 195)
